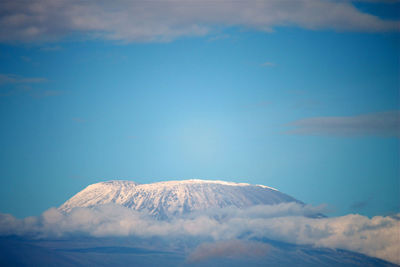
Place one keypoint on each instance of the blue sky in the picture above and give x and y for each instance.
(303, 102)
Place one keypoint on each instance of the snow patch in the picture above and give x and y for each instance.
(175, 198)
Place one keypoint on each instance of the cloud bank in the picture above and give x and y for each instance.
(133, 21)
(288, 222)
(385, 124)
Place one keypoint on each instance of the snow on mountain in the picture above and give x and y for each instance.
(174, 198)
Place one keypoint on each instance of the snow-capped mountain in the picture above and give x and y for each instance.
(243, 235)
(175, 198)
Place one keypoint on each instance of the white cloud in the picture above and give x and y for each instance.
(131, 21)
(377, 124)
(377, 237)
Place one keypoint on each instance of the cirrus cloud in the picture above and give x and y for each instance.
(385, 124)
(133, 21)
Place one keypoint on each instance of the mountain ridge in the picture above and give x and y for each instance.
(175, 198)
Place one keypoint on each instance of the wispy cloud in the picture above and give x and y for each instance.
(385, 124)
(359, 205)
(16, 79)
(131, 21)
(287, 222)
(12, 84)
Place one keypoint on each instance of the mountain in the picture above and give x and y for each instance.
(175, 198)
(110, 236)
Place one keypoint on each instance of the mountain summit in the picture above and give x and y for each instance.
(176, 198)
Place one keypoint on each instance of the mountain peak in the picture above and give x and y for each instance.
(175, 198)
(201, 181)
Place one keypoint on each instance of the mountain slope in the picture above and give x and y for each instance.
(172, 198)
